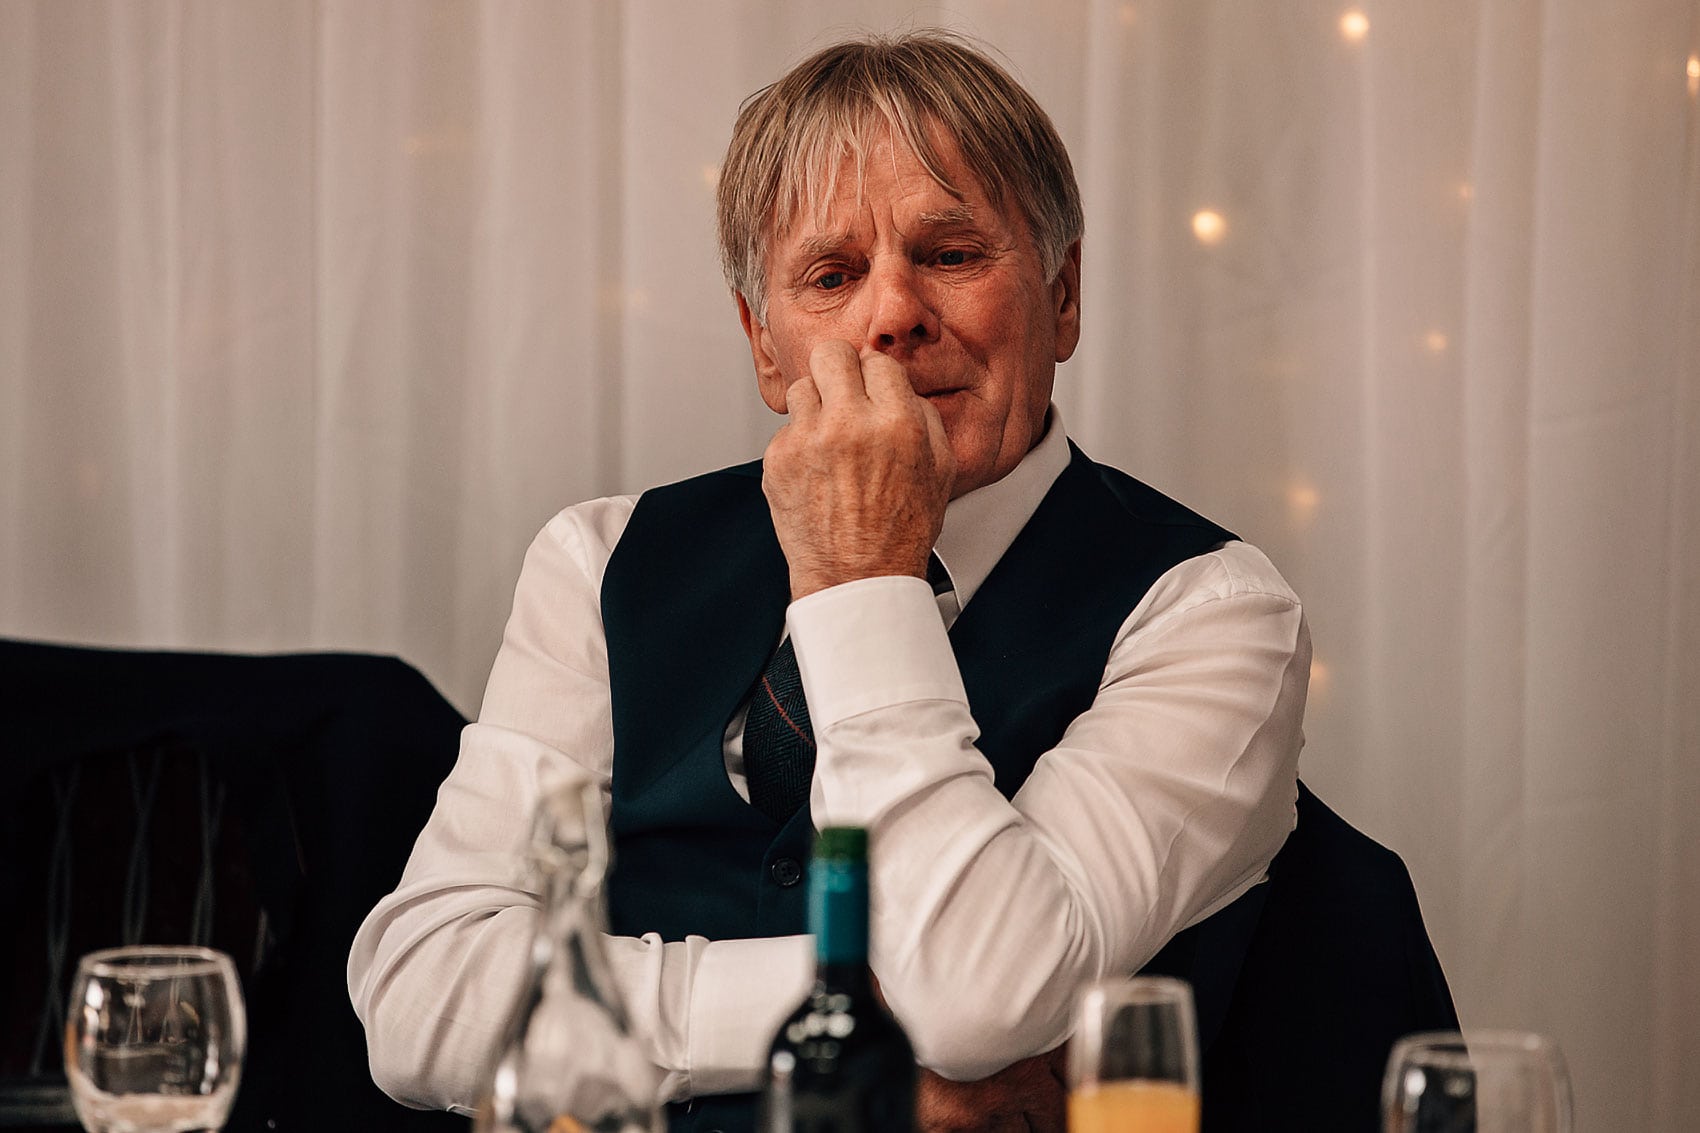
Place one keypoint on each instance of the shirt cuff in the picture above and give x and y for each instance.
(742, 991)
(869, 644)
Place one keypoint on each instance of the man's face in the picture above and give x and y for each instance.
(953, 290)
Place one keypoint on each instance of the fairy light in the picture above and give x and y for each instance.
(1319, 675)
(1694, 76)
(1209, 227)
(1436, 341)
(1302, 503)
(1354, 25)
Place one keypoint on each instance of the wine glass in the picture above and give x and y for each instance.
(154, 1039)
(1133, 1061)
(1476, 1082)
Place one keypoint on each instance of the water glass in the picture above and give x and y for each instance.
(1476, 1082)
(154, 1039)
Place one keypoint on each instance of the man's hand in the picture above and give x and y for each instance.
(858, 478)
(1026, 1097)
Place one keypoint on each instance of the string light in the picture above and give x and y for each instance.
(711, 177)
(613, 297)
(1208, 226)
(1694, 76)
(1436, 341)
(1127, 15)
(1302, 502)
(1354, 25)
(1318, 676)
(1466, 191)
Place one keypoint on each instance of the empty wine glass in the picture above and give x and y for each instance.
(1476, 1082)
(154, 1039)
(1133, 1061)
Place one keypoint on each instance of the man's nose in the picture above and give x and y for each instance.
(902, 317)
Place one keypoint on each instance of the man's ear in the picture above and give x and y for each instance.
(1065, 294)
(769, 380)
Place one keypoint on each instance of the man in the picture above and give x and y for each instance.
(1080, 739)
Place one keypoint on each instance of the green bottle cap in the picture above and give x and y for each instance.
(842, 842)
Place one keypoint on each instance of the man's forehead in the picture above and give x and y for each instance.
(812, 240)
(831, 178)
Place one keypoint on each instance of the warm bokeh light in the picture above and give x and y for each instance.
(1693, 76)
(711, 177)
(1302, 502)
(613, 297)
(1127, 14)
(1354, 25)
(1208, 226)
(1436, 341)
(1318, 677)
(1466, 191)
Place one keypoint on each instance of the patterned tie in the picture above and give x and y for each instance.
(779, 744)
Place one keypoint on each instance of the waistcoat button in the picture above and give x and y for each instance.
(786, 872)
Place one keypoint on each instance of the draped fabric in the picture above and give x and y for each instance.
(312, 313)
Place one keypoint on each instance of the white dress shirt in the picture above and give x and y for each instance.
(1163, 802)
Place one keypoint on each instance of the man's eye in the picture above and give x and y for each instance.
(830, 281)
(953, 257)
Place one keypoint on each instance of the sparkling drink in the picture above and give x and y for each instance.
(1133, 1061)
(1133, 1107)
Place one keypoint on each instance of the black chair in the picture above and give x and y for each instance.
(1304, 984)
(261, 805)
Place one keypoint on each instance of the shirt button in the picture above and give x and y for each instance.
(786, 872)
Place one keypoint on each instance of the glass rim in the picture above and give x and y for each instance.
(1138, 990)
(1102, 999)
(179, 960)
(1460, 1050)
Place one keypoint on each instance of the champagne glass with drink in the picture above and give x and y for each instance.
(154, 1039)
(1133, 1061)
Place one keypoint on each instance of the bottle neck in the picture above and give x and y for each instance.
(853, 980)
(838, 913)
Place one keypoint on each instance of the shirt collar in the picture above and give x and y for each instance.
(980, 526)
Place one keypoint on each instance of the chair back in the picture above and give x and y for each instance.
(258, 805)
(1305, 983)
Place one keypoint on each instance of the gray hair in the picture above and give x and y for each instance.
(790, 137)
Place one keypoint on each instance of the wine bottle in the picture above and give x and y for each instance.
(570, 1063)
(840, 1063)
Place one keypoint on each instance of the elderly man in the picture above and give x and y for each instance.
(1066, 708)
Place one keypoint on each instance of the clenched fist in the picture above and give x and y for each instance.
(858, 478)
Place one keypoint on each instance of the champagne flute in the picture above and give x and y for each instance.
(154, 1039)
(1133, 1061)
(1476, 1082)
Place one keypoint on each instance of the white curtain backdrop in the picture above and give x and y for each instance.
(312, 313)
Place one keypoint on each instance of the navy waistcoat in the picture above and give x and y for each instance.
(693, 602)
